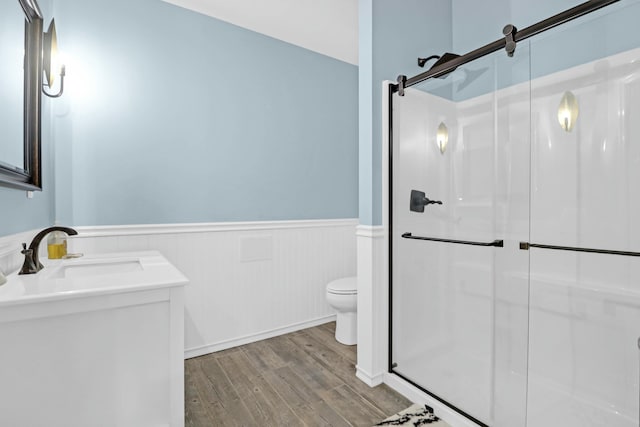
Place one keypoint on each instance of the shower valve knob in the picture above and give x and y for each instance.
(418, 201)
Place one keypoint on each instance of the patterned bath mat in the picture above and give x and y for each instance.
(415, 415)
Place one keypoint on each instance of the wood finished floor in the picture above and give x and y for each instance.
(305, 378)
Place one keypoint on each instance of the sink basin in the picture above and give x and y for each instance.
(92, 268)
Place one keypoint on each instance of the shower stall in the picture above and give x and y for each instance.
(514, 226)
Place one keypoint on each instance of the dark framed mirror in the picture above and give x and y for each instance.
(20, 160)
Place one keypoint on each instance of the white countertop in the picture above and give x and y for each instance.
(91, 275)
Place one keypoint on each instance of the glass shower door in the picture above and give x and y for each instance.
(459, 285)
(585, 187)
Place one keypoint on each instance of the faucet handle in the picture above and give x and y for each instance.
(29, 265)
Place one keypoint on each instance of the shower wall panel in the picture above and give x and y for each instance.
(585, 307)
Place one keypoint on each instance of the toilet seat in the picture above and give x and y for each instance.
(345, 286)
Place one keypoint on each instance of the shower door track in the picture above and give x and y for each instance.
(512, 36)
(509, 42)
(439, 399)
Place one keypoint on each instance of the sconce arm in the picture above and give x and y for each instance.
(59, 94)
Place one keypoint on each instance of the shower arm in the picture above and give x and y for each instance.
(423, 61)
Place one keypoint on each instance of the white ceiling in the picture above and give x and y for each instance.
(329, 27)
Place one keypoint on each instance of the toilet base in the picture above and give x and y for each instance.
(347, 328)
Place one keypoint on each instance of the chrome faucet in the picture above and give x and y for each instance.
(32, 262)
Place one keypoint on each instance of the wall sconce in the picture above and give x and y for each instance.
(442, 137)
(568, 111)
(50, 61)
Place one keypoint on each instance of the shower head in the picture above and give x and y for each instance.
(446, 57)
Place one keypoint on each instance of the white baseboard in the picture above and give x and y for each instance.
(368, 379)
(206, 349)
(416, 395)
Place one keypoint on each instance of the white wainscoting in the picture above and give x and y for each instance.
(248, 281)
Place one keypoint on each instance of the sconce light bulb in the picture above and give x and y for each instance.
(442, 137)
(568, 111)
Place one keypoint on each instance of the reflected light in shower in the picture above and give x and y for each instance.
(442, 137)
(568, 111)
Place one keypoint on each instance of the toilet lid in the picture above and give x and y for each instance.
(347, 285)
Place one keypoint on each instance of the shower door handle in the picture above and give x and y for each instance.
(496, 243)
(418, 201)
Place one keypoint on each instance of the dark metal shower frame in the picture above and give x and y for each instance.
(509, 42)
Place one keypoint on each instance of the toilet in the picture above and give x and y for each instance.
(342, 296)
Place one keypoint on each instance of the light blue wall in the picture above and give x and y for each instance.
(593, 36)
(171, 116)
(365, 113)
(600, 34)
(393, 34)
(476, 23)
(17, 213)
(174, 117)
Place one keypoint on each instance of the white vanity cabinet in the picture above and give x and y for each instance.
(94, 342)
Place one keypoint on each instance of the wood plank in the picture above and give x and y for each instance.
(330, 326)
(327, 414)
(224, 401)
(196, 414)
(238, 370)
(304, 378)
(295, 387)
(264, 403)
(303, 364)
(222, 353)
(383, 397)
(217, 414)
(328, 338)
(303, 399)
(262, 356)
(344, 369)
(270, 408)
(351, 406)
